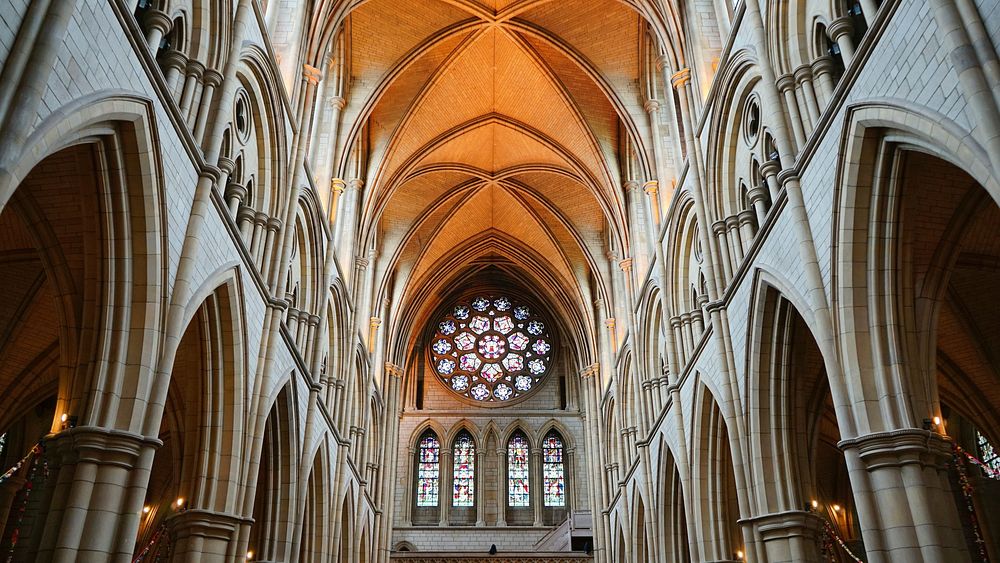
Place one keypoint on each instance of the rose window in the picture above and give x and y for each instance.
(491, 349)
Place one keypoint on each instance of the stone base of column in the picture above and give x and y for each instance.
(788, 536)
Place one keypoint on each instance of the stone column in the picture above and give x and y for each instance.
(804, 78)
(194, 72)
(840, 31)
(748, 229)
(88, 508)
(502, 486)
(445, 493)
(822, 69)
(735, 244)
(786, 84)
(770, 171)
(157, 25)
(652, 107)
(789, 536)
(535, 473)
(479, 496)
(173, 61)
(203, 535)
(719, 230)
(758, 201)
(650, 188)
(904, 502)
(211, 80)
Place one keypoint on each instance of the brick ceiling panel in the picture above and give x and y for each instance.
(494, 147)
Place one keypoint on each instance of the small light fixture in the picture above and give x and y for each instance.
(739, 554)
(249, 555)
(179, 502)
(815, 503)
(64, 417)
(937, 421)
(836, 508)
(146, 509)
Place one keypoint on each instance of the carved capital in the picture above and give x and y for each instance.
(680, 78)
(311, 74)
(651, 106)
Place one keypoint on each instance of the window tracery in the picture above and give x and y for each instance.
(553, 471)
(987, 452)
(464, 471)
(491, 349)
(428, 471)
(518, 490)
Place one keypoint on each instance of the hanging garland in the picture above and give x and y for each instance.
(992, 473)
(17, 466)
(38, 465)
(959, 456)
(830, 536)
(159, 545)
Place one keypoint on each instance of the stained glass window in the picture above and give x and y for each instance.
(491, 349)
(428, 471)
(517, 472)
(987, 452)
(464, 477)
(553, 471)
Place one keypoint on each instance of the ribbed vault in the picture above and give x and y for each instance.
(493, 133)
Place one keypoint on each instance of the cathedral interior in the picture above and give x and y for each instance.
(536, 281)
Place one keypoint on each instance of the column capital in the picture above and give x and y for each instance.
(896, 448)
(610, 322)
(311, 74)
(822, 65)
(273, 224)
(356, 183)
(590, 371)
(630, 185)
(662, 62)
(650, 187)
(625, 265)
(770, 168)
(337, 186)
(337, 102)
(195, 67)
(157, 19)
(375, 322)
(785, 82)
(393, 370)
(681, 78)
(237, 190)
(212, 77)
(757, 193)
(651, 105)
(361, 262)
(840, 26)
(173, 59)
(803, 73)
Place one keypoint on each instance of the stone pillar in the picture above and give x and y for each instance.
(904, 502)
(535, 478)
(822, 69)
(445, 493)
(211, 80)
(336, 190)
(735, 244)
(650, 188)
(804, 78)
(791, 536)
(502, 486)
(204, 536)
(90, 469)
(770, 171)
(748, 229)
(719, 230)
(172, 62)
(840, 31)
(758, 201)
(157, 25)
(652, 107)
(786, 85)
(195, 70)
(479, 496)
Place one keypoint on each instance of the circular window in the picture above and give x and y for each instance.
(241, 117)
(751, 121)
(491, 349)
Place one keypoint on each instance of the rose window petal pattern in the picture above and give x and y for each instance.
(503, 324)
(479, 325)
(464, 341)
(491, 348)
(442, 346)
(518, 341)
(469, 362)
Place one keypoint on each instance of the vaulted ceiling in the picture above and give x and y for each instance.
(494, 133)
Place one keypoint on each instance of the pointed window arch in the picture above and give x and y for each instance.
(464, 475)
(553, 470)
(428, 470)
(518, 474)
